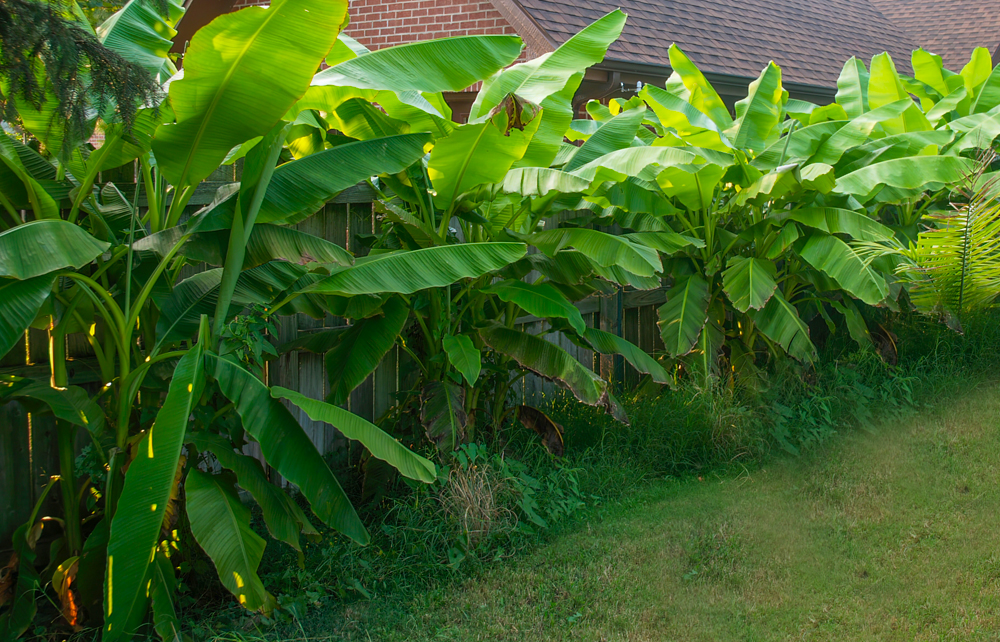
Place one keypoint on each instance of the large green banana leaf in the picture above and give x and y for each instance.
(549, 74)
(797, 146)
(161, 596)
(989, 93)
(542, 300)
(379, 443)
(221, 525)
(613, 135)
(219, 103)
(198, 295)
(551, 80)
(141, 34)
(780, 322)
(977, 71)
(361, 348)
(19, 187)
(602, 248)
(277, 243)
(680, 115)
(472, 155)
(843, 264)
(300, 188)
(444, 64)
(541, 181)
(607, 343)
(700, 92)
(834, 220)
(406, 272)
(135, 528)
(357, 118)
(286, 447)
(463, 356)
(885, 88)
(40, 247)
(442, 413)
(859, 130)
(917, 172)
(284, 519)
(852, 88)
(749, 282)
(684, 314)
(693, 185)
(759, 115)
(549, 361)
(20, 302)
(977, 130)
(621, 164)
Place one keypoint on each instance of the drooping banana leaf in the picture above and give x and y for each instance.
(361, 348)
(835, 220)
(284, 519)
(749, 282)
(40, 247)
(406, 272)
(221, 525)
(780, 322)
(135, 528)
(379, 443)
(548, 361)
(20, 302)
(286, 447)
(683, 315)
(842, 263)
(607, 343)
(602, 248)
(917, 172)
(300, 188)
(540, 299)
(442, 413)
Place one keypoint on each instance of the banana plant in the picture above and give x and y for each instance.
(85, 258)
(796, 208)
(447, 281)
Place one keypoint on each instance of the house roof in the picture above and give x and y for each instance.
(950, 29)
(809, 39)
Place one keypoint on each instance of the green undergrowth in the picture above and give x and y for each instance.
(502, 499)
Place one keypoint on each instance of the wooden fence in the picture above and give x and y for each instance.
(28, 454)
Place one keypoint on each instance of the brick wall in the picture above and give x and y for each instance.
(383, 23)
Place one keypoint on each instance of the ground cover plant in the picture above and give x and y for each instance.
(787, 215)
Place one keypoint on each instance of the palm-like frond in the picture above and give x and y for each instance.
(959, 261)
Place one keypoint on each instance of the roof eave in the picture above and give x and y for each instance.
(730, 84)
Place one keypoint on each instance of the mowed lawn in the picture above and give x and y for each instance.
(892, 534)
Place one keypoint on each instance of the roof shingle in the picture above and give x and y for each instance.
(809, 39)
(950, 29)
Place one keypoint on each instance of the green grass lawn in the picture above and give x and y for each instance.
(887, 535)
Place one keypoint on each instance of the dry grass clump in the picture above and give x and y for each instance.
(477, 499)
